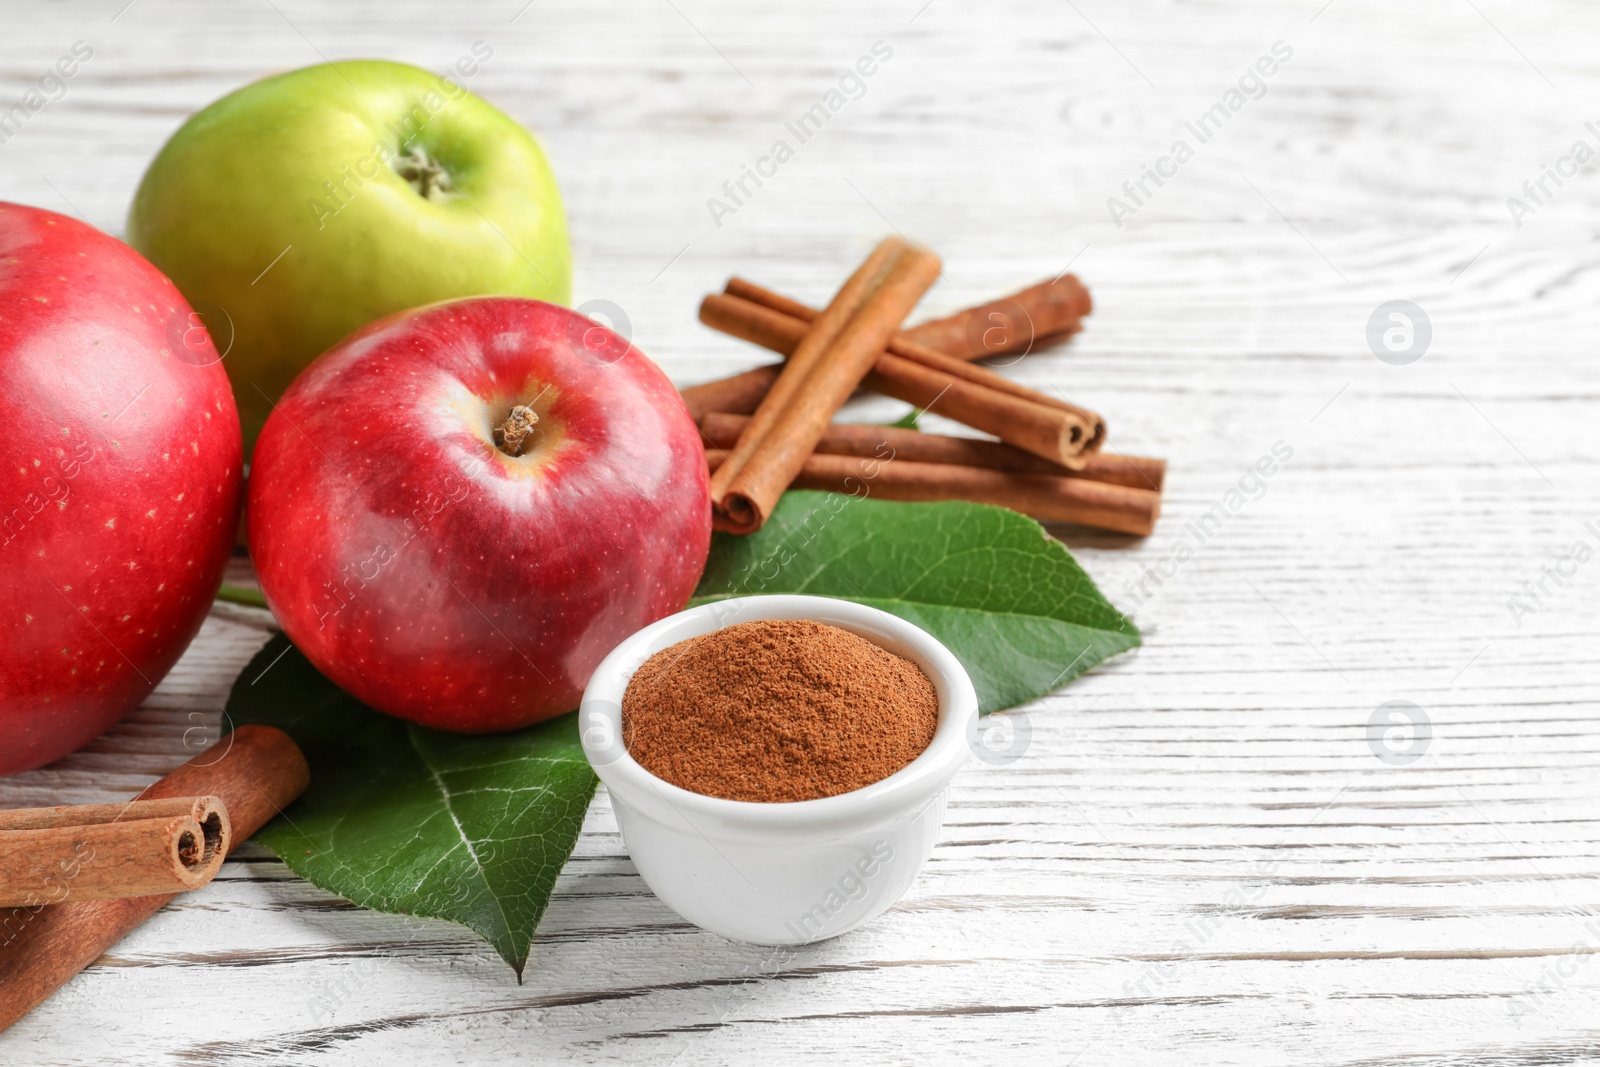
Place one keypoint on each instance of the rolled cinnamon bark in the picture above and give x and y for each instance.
(901, 344)
(740, 394)
(804, 355)
(1059, 436)
(1047, 427)
(721, 429)
(1051, 310)
(101, 851)
(1011, 324)
(259, 772)
(1044, 497)
(813, 384)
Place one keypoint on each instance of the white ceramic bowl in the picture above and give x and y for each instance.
(784, 873)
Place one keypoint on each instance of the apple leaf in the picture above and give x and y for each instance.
(471, 828)
(1007, 599)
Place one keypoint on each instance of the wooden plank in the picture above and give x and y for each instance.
(1199, 858)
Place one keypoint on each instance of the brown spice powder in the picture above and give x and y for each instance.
(777, 710)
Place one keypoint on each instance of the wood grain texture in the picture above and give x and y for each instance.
(1198, 858)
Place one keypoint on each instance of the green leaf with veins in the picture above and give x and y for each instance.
(468, 827)
(1008, 600)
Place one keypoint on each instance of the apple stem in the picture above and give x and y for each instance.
(510, 435)
(426, 175)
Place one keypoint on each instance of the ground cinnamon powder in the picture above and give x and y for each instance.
(777, 710)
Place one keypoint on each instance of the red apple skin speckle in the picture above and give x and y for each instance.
(119, 482)
(434, 576)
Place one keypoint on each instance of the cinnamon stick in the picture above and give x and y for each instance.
(258, 773)
(1043, 425)
(903, 345)
(1050, 311)
(740, 394)
(828, 361)
(721, 429)
(99, 851)
(1043, 496)
(805, 353)
(1011, 324)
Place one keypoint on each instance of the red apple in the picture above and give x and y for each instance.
(119, 481)
(438, 576)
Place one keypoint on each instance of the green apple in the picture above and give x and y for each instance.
(302, 207)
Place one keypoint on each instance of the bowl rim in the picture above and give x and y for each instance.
(600, 723)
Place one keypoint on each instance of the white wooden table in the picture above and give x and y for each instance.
(1201, 857)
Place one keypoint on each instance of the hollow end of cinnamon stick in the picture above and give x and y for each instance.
(1084, 436)
(200, 850)
(739, 514)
